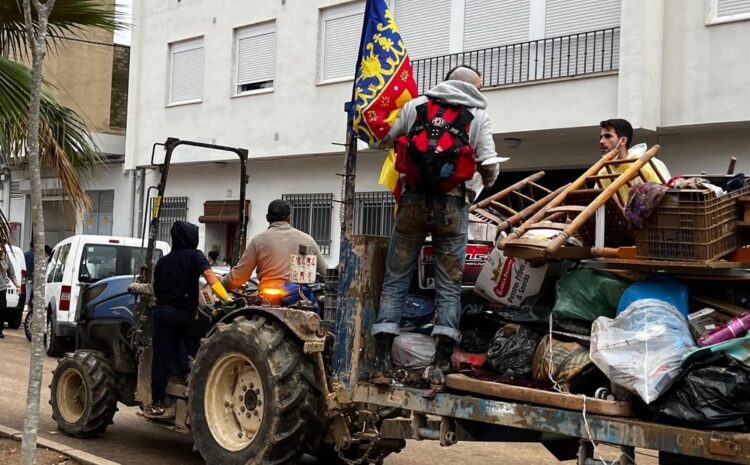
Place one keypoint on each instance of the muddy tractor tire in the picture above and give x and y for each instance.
(253, 397)
(83, 393)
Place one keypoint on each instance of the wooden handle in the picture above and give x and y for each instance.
(732, 164)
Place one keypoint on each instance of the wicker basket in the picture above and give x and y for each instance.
(692, 225)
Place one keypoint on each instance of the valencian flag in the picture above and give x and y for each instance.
(384, 82)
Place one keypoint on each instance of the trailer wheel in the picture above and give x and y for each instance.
(253, 397)
(83, 393)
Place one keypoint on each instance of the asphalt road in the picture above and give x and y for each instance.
(134, 441)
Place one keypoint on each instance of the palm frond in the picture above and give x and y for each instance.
(69, 18)
(65, 143)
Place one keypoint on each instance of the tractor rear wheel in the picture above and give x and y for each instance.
(253, 397)
(83, 393)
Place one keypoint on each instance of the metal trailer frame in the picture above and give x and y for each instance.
(359, 283)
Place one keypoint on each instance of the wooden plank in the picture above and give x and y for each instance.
(671, 264)
(548, 225)
(537, 396)
(720, 305)
(567, 209)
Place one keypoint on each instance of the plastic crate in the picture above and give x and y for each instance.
(692, 225)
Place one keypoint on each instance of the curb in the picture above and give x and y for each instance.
(81, 456)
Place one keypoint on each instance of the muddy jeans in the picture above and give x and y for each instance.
(449, 235)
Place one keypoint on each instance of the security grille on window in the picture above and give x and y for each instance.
(98, 220)
(172, 209)
(373, 213)
(312, 213)
(256, 57)
(340, 28)
(186, 71)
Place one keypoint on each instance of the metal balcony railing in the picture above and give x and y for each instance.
(536, 60)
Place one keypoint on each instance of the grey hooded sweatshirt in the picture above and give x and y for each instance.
(480, 134)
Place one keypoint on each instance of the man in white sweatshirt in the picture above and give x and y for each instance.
(425, 209)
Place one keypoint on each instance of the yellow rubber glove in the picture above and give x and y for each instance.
(220, 292)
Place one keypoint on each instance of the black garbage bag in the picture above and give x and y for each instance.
(477, 331)
(714, 393)
(512, 350)
(534, 310)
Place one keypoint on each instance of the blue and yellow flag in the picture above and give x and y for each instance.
(384, 83)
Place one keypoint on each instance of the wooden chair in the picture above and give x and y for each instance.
(571, 212)
(514, 204)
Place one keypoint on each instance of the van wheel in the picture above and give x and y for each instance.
(53, 345)
(27, 324)
(253, 397)
(83, 393)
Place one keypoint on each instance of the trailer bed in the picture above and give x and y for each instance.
(722, 446)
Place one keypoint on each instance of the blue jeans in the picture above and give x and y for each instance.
(449, 236)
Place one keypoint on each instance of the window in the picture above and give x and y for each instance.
(312, 213)
(426, 30)
(98, 220)
(340, 30)
(56, 268)
(373, 213)
(186, 71)
(489, 23)
(172, 209)
(256, 57)
(101, 261)
(725, 11)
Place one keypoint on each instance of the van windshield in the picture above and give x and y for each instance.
(101, 261)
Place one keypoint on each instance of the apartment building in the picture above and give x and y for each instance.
(272, 76)
(89, 74)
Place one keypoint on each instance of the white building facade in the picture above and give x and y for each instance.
(272, 76)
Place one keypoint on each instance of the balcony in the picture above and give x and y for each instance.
(527, 62)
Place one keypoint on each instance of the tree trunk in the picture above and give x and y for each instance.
(37, 37)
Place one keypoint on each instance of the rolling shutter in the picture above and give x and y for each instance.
(341, 28)
(187, 71)
(489, 23)
(256, 54)
(424, 26)
(572, 16)
(732, 7)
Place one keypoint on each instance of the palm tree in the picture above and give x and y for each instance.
(66, 145)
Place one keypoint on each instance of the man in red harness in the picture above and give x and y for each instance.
(441, 138)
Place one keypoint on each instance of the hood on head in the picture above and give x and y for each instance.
(458, 93)
(184, 235)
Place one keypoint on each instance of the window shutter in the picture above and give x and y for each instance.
(572, 16)
(489, 23)
(424, 26)
(732, 7)
(256, 54)
(187, 71)
(340, 41)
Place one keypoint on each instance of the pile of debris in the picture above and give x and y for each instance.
(605, 288)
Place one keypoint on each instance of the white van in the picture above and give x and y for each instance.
(15, 302)
(79, 261)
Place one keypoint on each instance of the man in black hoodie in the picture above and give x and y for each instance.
(176, 289)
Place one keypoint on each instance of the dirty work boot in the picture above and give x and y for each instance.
(382, 372)
(442, 365)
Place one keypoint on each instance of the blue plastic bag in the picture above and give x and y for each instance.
(417, 311)
(664, 288)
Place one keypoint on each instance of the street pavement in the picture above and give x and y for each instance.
(134, 441)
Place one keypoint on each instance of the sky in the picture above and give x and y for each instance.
(125, 8)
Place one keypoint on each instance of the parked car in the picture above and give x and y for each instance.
(15, 301)
(76, 263)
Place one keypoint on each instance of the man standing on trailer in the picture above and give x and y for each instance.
(433, 135)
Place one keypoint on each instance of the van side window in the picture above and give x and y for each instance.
(60, 268)
(52, 265)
